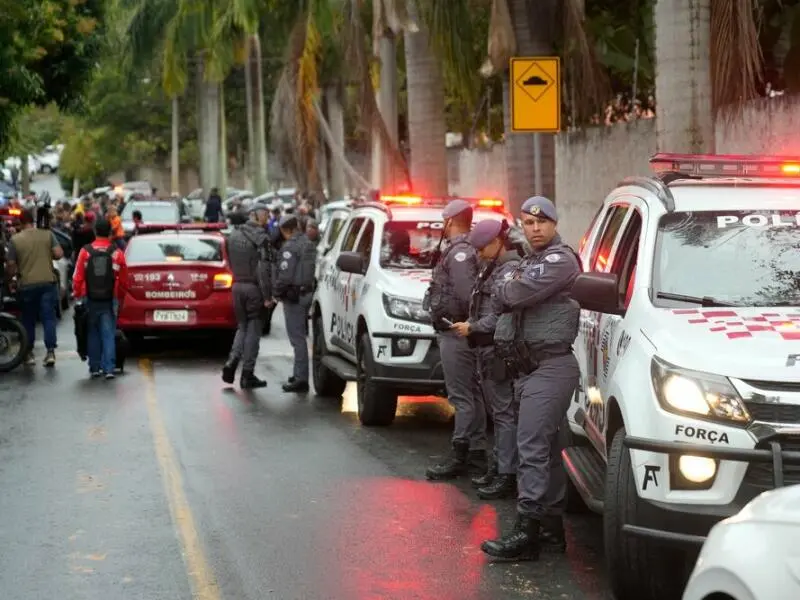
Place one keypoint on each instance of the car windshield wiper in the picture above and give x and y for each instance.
(705, 301)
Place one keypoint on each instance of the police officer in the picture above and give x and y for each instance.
(489, 238)
(294, 286)
(533, 341)
(250, 256)
(448, 299)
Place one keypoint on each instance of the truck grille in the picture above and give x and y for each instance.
(759, 475)
(773, 412)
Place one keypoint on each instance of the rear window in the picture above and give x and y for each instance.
(149, 249)
(153, 213)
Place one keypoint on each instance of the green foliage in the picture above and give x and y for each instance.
(33, 128)
(47, 51)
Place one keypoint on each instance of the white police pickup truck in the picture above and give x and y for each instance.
(689, 346)
(368, 322)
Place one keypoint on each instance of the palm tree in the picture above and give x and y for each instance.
(440, 50)
(328, 48)
(709, 62)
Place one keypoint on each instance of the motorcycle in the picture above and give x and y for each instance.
(14, 342)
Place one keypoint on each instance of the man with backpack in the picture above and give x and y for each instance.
(98, 271)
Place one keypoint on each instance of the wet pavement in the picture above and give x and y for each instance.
(164, 484)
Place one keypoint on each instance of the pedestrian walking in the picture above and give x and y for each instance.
(96, 285)
(448, 299)
(30, 256)
(533, 343)
(294, 286)
(489, 238)
(250, 256)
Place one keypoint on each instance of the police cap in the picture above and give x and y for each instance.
(485, 233)
(288, 222)
(539, 206)
(254, 208)
(455, 208)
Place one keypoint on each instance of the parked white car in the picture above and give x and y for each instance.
(34, 166)
(753, 555)
(689, 347)
(368, 322)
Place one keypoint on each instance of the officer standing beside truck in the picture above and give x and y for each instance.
(294, 286)
(250, 256)
(448, 299)
(533, 342)
(489, 238)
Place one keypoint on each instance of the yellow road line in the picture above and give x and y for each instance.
(204, 585)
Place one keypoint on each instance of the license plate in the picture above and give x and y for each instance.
(171, 316)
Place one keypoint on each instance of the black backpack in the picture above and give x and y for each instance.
(100, 274)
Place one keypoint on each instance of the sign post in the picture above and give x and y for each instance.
(535, 84)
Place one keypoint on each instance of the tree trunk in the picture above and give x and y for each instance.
(684, 117)
(385, 172)
(208, 129)
(76, 187)
(250, 162)
(426, 124)
(176, 150)
(336, 184)
(259, 119)
(222, 157)
(533, 27)
(25, 174)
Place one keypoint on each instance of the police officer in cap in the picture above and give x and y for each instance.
(294, 286)
(533, 341)
(490, 239)
(448, 299)
(250, 257)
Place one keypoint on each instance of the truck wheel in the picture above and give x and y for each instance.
(637, 568)
(376, 405)
(326, 383)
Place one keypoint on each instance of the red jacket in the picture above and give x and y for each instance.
(79, 277)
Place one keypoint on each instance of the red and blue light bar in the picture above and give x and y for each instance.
(726, 165)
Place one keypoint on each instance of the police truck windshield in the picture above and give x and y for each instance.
(737, 258)
(410, 244)
(151, 249)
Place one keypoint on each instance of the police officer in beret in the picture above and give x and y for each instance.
(294, 286)
(250, 257)
(533, 342)
(490, 240)
(448, 299)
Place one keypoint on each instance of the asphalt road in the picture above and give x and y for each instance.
(50, 184)
(166, 485)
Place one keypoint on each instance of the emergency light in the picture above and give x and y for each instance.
(726, 165)
(493, 204)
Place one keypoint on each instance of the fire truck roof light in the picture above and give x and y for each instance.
(726, 165)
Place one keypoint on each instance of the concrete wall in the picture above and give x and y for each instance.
(590, 163)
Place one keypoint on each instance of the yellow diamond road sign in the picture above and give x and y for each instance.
(535, 85)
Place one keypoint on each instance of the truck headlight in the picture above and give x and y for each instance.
(405, 309)
(705, 395)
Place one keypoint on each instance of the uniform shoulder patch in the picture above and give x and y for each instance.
(553, 258)
(460, 256)
(284, 265)
(287, 254)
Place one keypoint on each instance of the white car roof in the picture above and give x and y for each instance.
(735, 195)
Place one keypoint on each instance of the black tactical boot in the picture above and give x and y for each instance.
(502, 486)
(250, 382)
(229, 371)
(453, 467)
(298, 387)
(487, 478)
(551, 537)
(477, 462)
(521, 543)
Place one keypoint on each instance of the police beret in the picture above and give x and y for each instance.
(455, 208)
(539, 206)
(288, 221)
(258, 206)
(484, 233)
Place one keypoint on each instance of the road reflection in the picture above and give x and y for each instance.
(408, 540)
